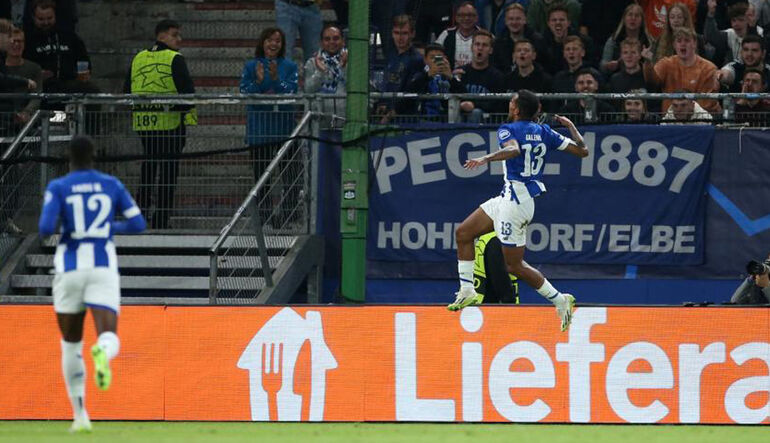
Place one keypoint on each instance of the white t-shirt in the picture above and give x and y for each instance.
(463, 47)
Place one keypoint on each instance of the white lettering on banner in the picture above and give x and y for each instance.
(649, 164)
(419, 160)
(408, 406)
(416, 235)
(579, 353)
(735, 397)
(455, 163)
(473, 373)
(692, 362)
(502, 380)
(620, 381)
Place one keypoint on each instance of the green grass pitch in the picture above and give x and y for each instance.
(189, 432)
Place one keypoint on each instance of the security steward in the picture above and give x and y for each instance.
(490, 277)
(161, 128)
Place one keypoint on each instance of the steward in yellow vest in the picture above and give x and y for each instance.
(161, 128)
(490, 277)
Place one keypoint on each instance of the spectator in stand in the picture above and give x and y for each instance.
(573, 57)
(21, 13)
(436, 78)
(754, 111)
(61, 54)
(701, 10)
(270, 72)
(753, 56)
(515, 29)
(732, 37)
(678, 16)
(492, 13)
(9, 83)
(381, 13)
(685, 70)
(761, 12)
(630, 75)
(458, 39)
(598, 20)
(18, 66)
(431, 18)
(631, 26)
(587, 82)
(403, 63)
(480, 77)
(539, 12)
(751, 17)
(325, 71)
(526, 74)
(635, 110)
(685, 111)
(656, 13)
(301, 17)
(559, 28)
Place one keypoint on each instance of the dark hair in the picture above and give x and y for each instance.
(266, 34)
(754, 38)
(44, 4)
(557, 7)
(165, 25)
(328, 26)
(528, 104)
(434, 47)
(81, 151)
(737, 10)
(761, 73)
(587, 70)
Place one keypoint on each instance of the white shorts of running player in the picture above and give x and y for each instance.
(510, 218)
(74, 291)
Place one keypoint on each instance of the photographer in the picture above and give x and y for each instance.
(755, 290)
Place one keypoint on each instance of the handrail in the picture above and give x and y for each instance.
(261, 246)
(20, 137)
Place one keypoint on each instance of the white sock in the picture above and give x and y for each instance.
(74, 371)
(549, 292)
(110, 343)
(465, 270)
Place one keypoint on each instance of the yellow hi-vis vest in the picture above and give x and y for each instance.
(479, 269)
(151, 74)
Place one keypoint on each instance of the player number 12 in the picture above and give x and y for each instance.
(98, 228)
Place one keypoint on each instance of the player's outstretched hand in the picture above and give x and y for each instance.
(564, 121)
(473, 163)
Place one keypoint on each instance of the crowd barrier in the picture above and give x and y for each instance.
(406, 363)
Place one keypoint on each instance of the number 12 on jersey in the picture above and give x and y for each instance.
(99, 227)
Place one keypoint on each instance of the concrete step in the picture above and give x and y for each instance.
(135, 262)
(209, 67)
(151, 282)
(188, 242)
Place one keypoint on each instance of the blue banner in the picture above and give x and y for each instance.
(638, 198)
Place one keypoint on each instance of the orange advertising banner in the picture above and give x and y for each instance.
(404, 363)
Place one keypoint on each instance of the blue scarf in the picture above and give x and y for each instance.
(437, 85)
(334, 70)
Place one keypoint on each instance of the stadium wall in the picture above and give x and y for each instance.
(405, 363)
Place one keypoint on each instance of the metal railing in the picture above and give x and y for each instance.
(265, 226)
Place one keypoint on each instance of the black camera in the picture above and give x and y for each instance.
(758, 267)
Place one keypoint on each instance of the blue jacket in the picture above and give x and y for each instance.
(269, 123)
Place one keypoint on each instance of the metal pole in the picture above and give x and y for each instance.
(213, 271)
(44, 134)
(355, 160)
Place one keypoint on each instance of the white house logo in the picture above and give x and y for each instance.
(271, 359)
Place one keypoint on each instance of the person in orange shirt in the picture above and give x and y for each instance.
(685, 70)
(655, 12)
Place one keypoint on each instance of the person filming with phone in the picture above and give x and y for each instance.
(436, 78)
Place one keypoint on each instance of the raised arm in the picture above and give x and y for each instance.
(578, 148)
(509, 149)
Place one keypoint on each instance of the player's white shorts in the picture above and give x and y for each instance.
(510, 218)
(73, 291)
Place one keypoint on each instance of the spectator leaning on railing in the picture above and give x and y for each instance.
(587, 82)
(17, 65)
(326, 71)
(269, 72)
(403, 63)
(685, 111)
(685, 70)
(479, 77)
(635, 110)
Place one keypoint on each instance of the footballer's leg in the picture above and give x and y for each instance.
(73, 367)
(477, 224)
(106, 347)
(565, 303)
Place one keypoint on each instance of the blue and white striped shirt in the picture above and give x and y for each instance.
(86, 201)
(523, 172)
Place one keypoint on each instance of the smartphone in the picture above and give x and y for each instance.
(438, 58)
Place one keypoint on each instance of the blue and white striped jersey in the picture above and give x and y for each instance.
(86, 201)
(523, 172)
